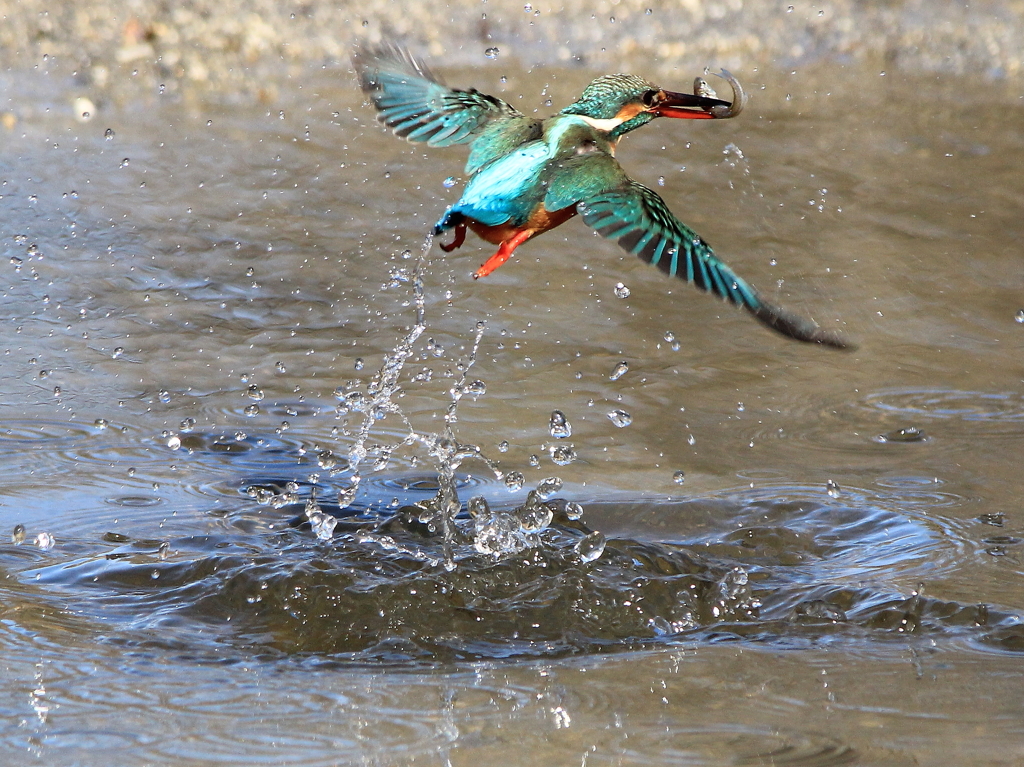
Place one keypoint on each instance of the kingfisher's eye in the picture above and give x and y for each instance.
(649, 98)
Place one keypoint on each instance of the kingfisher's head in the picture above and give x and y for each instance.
(617, 104)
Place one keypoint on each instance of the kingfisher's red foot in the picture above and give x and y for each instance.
(504, 253)
(460, 237)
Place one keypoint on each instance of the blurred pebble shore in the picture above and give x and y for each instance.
(237, 47)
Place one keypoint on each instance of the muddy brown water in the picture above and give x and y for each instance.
(837, 579)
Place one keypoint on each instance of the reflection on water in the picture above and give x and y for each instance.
(780, 555)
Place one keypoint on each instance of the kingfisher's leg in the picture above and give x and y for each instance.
(503, 254)
(460, 237)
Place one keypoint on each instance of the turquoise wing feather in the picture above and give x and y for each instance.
(418, 106)
(640, 221)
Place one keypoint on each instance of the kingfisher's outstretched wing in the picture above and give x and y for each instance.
(419, 107)
(640, 221)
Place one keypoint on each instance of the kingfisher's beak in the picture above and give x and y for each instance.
(697, 105)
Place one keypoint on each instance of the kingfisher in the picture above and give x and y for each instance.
(527, 176)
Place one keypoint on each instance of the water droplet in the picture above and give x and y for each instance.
(648, 12)
(109, 134)
(620, 418)
(661, 181)
(475, 388)
(252, 411)
(559, 427)
(118, 352)
(548, 487)
(832, 489)
(1019, 316)
(254, 392)
(563, 455)
(478, 507)
(621, 290)
(528, 8)
(789, 9)
(679, 477)
(45, 541)
(620, 370)
(164, 396)
(449, 182)
(590, 547)
(174, 442)
(573, 510)
(534, 517)
(346, 495)
(691, 440)
(18, 535)
(534, 461)
(57, 391)
(125, 162)
(503, 446)
(492, 53)
(740, 406)
(821, 13)
(514, 481)
(162, 551)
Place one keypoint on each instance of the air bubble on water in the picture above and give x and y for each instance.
(1019, 316)
(528, 8)
(45, 541)
(573, 510)
(514, 481)
(492, 53)
(563, 455)
(559, 427)
(906, 434)
(251, 411)
(503, 446)
(679, 477)
(548, 487)
(18, 535)
(620, 418)
(590, 547)
(620, 370)
(832, 489)
(101, 423)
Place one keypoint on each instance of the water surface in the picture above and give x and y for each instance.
(836, 580)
